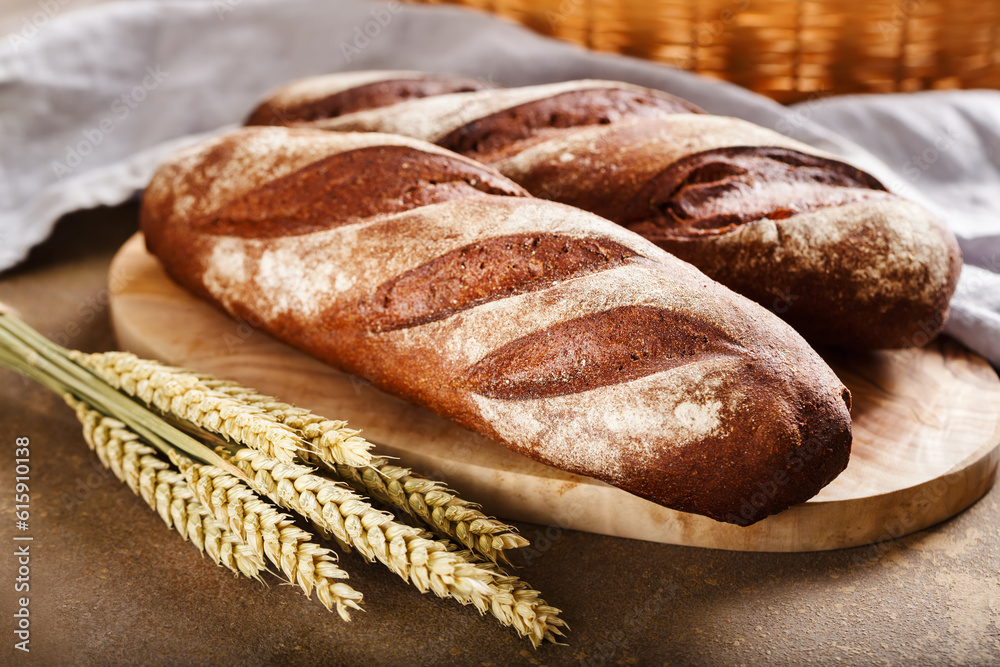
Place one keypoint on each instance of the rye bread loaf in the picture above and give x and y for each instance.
(813, 239)
(559, 334)
(319, 97)
(817, 241)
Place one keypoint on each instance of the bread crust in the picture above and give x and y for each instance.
(581, 345)
(319, 97)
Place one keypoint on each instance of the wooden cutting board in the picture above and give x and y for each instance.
(925, 431)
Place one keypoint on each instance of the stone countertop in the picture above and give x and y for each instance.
(111, 584)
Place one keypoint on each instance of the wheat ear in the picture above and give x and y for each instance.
(430, 501)
(427, 564)
(434, 504)
(330, 440)
(531, 616)
(271, 535)
(165, 490)
(182, 394)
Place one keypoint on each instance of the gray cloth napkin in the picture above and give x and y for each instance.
(96, 98)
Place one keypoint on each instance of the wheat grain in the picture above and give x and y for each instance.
(271, 535)
(173, 496)
(165, 490)
(330, 440)
(427, 564)
(530, 615)
(183, 394)
(437, 506)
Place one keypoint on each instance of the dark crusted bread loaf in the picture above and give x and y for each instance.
(330, 96)
(811, 238)
(820, 242)
(555, 332)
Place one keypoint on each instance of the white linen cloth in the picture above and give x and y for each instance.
(93, 100)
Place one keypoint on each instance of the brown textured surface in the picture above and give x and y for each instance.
(349, 187)
(716, 191)
(840, 305)
(110, 583)
(596, 350)
(368, 96)
(483, 271)
(788, 50)
(492, 137)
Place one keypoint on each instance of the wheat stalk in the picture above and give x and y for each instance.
(203, 401)
(207, 502)
(427, 564)
(271, 535)
(165, 490)
(208, 401)
(182, 394)
(429, 501)
(26, 351)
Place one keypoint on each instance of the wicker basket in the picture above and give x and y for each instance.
(788, 49)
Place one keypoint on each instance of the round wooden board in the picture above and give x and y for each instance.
(926, 428)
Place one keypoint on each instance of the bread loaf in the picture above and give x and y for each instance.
(548, 329)
(330, 96)
(815, 240)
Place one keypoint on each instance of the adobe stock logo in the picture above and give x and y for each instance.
(363, 35)
(31, 25)
(121, 107)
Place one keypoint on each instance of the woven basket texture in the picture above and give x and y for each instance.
(789, 50)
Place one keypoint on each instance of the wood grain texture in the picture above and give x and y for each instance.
(926, 428)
